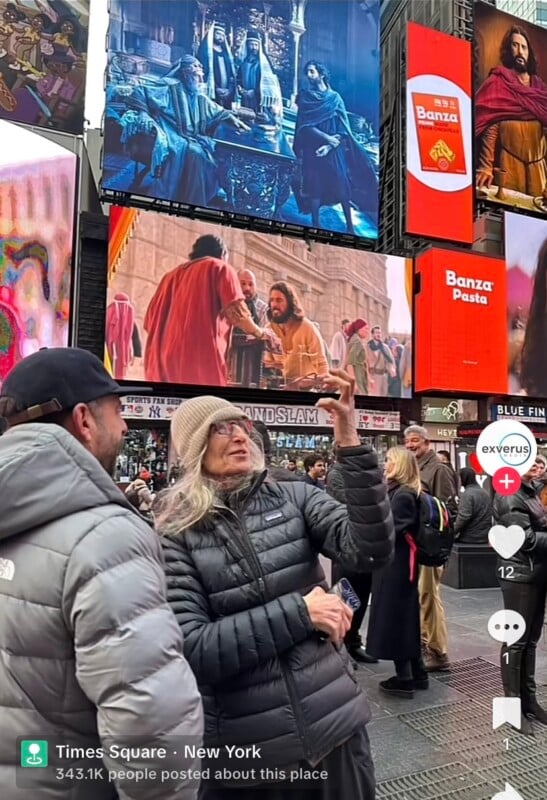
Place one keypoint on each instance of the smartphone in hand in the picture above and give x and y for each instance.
(347, 594)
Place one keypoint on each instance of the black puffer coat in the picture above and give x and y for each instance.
(236, 584)
(529, 564)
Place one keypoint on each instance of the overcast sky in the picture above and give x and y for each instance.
(96, 65)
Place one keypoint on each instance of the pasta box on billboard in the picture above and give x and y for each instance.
(461, 327)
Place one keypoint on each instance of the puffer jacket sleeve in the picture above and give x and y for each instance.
(128, 651)
(335, 484)
(360, 535)
(513, 511)
(219, 649)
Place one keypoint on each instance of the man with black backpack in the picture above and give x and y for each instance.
(438, 481)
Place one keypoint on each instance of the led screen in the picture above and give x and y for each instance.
(178, 288)
(526, 259)
(43, 60)
(37, 195)
(269, 110)
(511, 110)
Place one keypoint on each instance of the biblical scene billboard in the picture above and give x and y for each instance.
(511, 110)
(37, 195)
(526, 259)
(43, 60)
(195, 303)
(269, 110)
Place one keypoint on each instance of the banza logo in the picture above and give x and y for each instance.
(480, 289)
(436, 116)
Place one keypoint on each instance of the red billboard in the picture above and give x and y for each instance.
(460, 323)
(439, 136)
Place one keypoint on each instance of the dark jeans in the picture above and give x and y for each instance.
(362, 584)
(350, 777)
(411, 669)
(518, 662)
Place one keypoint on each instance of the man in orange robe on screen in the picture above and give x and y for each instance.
(190, 318)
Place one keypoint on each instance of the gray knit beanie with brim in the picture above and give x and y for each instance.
(192, 421)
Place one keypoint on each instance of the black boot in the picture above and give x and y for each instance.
(511, 660)
(530, 705)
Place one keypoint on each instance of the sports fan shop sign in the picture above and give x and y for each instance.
(163, 408)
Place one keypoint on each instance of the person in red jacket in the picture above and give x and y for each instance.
(190, 318)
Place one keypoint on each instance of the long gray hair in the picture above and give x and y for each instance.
(194, 495)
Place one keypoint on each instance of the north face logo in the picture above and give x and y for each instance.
(7, 569)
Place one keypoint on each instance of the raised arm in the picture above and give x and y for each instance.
(359, 536)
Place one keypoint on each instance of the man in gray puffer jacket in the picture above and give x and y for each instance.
(90, 652)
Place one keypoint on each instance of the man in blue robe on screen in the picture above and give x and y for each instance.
(335, 166)
(168, 125)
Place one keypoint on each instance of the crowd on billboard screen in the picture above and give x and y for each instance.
(193, 303)
(526, 260)
(43, 61)
(37, 195)
(270, 111)
(511, 110)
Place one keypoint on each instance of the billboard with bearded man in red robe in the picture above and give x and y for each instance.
(511, 110)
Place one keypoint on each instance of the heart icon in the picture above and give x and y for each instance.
(506, 541)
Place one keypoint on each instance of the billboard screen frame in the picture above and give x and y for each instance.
(439, 68)
(292, 223)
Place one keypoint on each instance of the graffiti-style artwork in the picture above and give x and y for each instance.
(43, 58)
(36, 239)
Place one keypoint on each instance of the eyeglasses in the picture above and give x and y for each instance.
(229, 427)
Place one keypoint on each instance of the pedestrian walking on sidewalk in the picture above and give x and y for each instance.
(394, 625)
(261, 632)
(437, 480)
(474, 518)
(524, 588)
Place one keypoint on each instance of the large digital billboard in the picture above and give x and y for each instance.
(460, 327)
(194, 303)
(511, 110)
(439, 141)
(269, 110)
(526, 259)
(43, 58)
(37, 196)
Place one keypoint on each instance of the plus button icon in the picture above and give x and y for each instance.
(506, 481)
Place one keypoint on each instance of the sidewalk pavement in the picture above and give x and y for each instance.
(440, 745)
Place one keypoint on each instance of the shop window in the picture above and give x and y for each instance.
(144, 450)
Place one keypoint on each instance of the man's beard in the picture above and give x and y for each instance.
(520, 66)
(108, 457)
(280, 319)
(252, 57)
(192, 83)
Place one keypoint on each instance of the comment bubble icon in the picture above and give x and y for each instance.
(506, 626)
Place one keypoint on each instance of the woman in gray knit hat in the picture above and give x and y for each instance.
(262, 634)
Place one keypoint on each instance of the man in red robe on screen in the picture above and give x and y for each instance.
(510, 120)
(190, 319)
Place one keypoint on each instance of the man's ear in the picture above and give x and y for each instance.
(82, 424)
